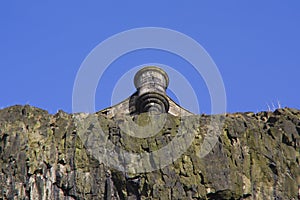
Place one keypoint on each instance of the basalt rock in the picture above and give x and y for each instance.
(42, 156)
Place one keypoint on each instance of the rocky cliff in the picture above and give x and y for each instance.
(256, 157)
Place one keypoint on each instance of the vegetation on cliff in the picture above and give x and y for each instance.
(257, 156)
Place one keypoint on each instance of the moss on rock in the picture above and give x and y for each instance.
(42, 156)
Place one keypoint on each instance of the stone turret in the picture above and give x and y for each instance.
(151, 84)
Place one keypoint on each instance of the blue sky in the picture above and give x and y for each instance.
(255, 45)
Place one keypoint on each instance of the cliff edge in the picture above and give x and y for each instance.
(257, 156)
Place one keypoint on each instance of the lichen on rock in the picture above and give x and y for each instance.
(42, 156)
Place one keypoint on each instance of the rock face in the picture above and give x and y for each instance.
(43, 157)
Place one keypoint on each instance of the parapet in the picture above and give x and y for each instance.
(151, 83)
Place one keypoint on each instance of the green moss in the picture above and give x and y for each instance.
(43, 154)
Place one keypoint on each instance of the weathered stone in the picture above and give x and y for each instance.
(43, 157)
(151, 83)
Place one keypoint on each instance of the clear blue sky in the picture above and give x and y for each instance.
(255, 44)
